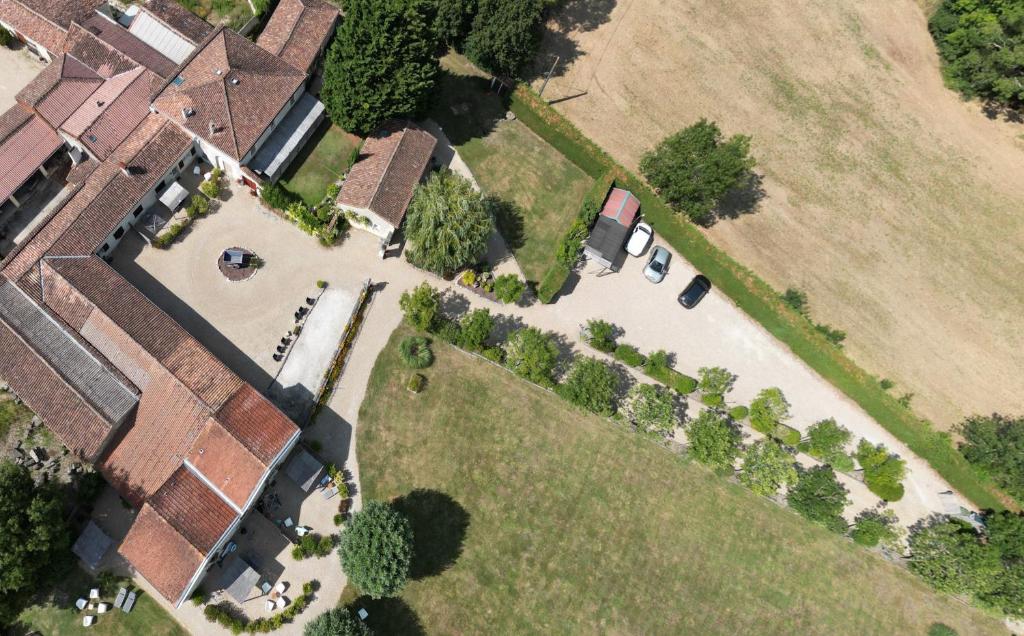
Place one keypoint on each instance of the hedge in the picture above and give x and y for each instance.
(786, 434)
(678, 382)
(628, 354)
(739, 413)
(552, 283)
(762, 303)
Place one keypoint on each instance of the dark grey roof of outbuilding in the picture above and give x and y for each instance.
(606, 241)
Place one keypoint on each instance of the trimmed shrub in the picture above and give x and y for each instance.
(713, 400)
(712, 440)
(421, 306)
(475, 328)
(681, 383)
(600, 335)
(170, 235)
(883, 471)
(552, 283)
(321, 284)
(571, 246)
(629, 355)
(416, 382)
(274, 195)
(449, 331)
(313, 545)
(415, 352)
(786, 434)
(739, 413)
(657, 368)
(197, 206)
(509, 288)
(494, 354)
(532, 355)
(873, 527)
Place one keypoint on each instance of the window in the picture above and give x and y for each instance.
(137, 212)
(181, 164)
(160, 186)
(104, 249)
(119, 232)
(192, 151)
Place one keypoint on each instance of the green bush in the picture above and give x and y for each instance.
(714, 401)
(274, 195)
(313, 545)
(939, 629)
(628, 354)
(509, 288)
(786, 434)
(657, 368)
(883, 471)
(223, 614)
(767, 410)
(6, 37)
(738, 413)
(681, 383)
(421, 306)
(198, 597)
(873, 527)
(600, 335)
(415, 352)
(170, 234)
(197, 206)
(321, 284)
(449, 330)
(210, 187)
(842, 462)
(571, 246)
(475, 328)
(552, 283)
(819, 497)
(494, 354)
(591, 385)
(532, 355)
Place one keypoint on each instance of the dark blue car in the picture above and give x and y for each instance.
(695, 291)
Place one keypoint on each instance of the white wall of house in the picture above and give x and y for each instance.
(377, 226)
(149, 200)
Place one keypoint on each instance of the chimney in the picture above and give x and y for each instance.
(187, 112)
(124, 168)
(213, 128)
(234, 80)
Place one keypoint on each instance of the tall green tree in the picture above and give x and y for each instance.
(421, 306)
(995, 444)
(532, 355)
(475, 329)
(1005, 532)
(827, 440)
(767, 467)
(874, 527)
(713, 440)
(590, 385)
(505, 35)
(447, 224)
(951, 556)
(376, 550)
(981, 43)
(34, 537)
(694, 168)
(820, 497)
(768, 409)
(451, 20)
(883, 470)
(651, 409)
(380, 65)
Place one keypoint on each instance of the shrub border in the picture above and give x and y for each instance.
(759, 301)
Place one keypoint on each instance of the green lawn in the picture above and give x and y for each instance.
(58, 614)
(511, 162)
(10, 414)
(556, 522)
(327, 156)
(234, 13)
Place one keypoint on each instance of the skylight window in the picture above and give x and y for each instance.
(178, 81)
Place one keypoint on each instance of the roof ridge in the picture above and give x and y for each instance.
(227, 107)
(192, 468)
(41, 16)
(387, 167)
(191, 56)
(292, 29)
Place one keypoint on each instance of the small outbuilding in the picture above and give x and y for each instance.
(611, 230)
(92, 545)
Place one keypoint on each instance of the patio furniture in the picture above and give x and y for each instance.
(280, 587)
(282, 602)
(119, 600)
(92, 545)
(266, 587)
(94, 593)
(270, 605)
(302, 530)
(304, 469)
(288, 523)
(326, 480)
(90, 607)
(81, 603)
(88, 621)
(103, 608)
(129, 602)
(362, 614)
(330, 492)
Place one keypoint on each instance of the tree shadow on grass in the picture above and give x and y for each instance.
(743, 199)
(386, 616)
(466, 108)
(508, 216)
(439, 526)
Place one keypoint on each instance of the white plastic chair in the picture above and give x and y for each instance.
(94, 593)
(81, 603)
(280, 587)
(282, 602)
(102, 608)
(270, 606)
(88, 621)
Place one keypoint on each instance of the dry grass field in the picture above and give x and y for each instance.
(897, 207)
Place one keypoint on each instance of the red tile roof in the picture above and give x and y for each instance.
(238, 113)
(32, 25)
(63, 12)
(621, 206)
(194, 510)
(187, 24)
(161, 554)
(391, 163)
(260, 425)
(121, 39)
(227, 465)
(95, 53)
(24, 151)
(297, 31)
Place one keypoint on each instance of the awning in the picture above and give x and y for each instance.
(91, 545)
(289, 136)
(173, 196)
(239, 579)
(303, 469)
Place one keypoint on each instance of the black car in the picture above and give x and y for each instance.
(695, 291)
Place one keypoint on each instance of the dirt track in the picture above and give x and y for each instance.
(893, 204)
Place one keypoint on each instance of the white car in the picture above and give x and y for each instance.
(640, 239)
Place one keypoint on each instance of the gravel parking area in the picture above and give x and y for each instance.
(19, 67)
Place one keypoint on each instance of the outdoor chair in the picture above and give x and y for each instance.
(288, 523)
(282, 602)
(94, 593)
(266, 587)
(270, 606)
(119, 600)
(330, 492)
(88, 621)
(129, 603)
(81, 603)
(301, 530)
(103, 608)
(280, 587)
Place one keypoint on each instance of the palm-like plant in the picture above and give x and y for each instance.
(448, 224)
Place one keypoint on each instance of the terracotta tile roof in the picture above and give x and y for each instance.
(65, 412)
(65, 98)
(31, 24)
(260, 425)
(194, 510)
(78, 174)
(147, 451)
(24, 151)
(238, 113)
(13, 119)
(118, 37)
(226, 463)
(391, 163)
(112, 112)
(187, 24)
(95, 53)
(160, 554)
(63, 12)
(60, 89)
(297, 31)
